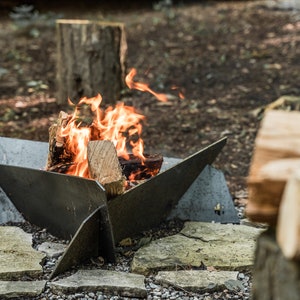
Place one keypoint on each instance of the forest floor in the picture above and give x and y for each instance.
(229, 59)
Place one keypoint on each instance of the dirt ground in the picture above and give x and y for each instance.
(228, 58)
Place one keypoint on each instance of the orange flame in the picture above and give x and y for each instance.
(121, 125)
(142, 86)
(180, 93)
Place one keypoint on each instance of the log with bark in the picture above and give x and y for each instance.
(91, 59)
(274, 276)
(141, 170)
(57, 155)
(102, 159)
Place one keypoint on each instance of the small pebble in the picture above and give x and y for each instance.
(79, 295)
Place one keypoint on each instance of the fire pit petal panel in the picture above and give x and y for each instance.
(23, 153)
(148, 204)
(54, 201)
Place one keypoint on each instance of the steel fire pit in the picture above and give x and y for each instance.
(77, 208)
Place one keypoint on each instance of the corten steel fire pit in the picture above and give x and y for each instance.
(77, 208)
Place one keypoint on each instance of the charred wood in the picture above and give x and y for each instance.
(57, 149)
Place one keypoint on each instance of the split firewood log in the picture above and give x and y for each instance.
(278, 139)
(268, 188)
(104, 166)
(57, 155)
(288, 226)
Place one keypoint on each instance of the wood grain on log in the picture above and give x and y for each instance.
(288, 226)
(90, 60)
(278, 140)
(104, 166)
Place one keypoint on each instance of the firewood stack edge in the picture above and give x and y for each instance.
(274, 199)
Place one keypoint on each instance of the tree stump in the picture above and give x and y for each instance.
(274, 276)
(90, 60)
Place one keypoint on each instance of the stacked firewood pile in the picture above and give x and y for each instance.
(274, 199)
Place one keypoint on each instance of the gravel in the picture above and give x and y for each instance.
(124, 256)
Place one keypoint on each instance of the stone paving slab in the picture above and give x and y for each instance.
(118, 283)
(225, 247)
(51, 249)
(21, 289)
(17, 257)
(209, 232)
(196, 280)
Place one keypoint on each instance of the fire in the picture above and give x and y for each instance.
(120, 124)
(142, 86)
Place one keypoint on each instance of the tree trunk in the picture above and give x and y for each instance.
(90, 60)
(274, 276)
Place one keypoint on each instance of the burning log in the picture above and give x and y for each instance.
(91, 56)
(103, 164)
(138, 170)
(57, 156)
(71, 153)
(104, 167)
